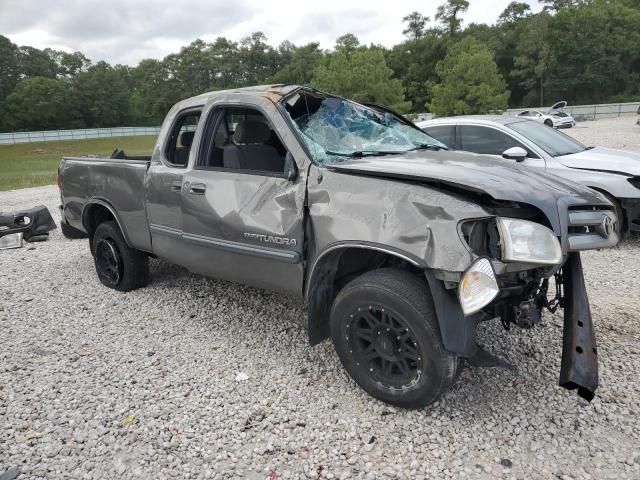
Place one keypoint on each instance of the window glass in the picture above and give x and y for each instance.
(485, 140)
(334, 128)
(181, 138)
(244, 140)
(443, 133)
(550, 140)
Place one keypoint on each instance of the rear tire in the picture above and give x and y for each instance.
(548, 123)
(71, 233)
(385, 331)
(117, 264)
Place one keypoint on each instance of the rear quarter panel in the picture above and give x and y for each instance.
(119, 184)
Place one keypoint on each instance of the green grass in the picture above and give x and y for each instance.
(34, 164)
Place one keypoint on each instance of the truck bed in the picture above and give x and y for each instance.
(115, 183)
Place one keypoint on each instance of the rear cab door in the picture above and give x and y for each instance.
(165, 178)
(243, 219)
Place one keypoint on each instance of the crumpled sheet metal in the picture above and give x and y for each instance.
(410, 218)
(30, 222)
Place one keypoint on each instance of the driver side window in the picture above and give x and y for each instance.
(485, 140)
(243, 140)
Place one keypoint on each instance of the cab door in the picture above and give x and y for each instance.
(164, 184)
(243, 214)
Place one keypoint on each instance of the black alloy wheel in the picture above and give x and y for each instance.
(383, 344)
(108, 263)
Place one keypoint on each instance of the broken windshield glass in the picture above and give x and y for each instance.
(335, 128)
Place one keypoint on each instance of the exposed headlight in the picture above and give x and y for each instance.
(478, 286)
(529, 242)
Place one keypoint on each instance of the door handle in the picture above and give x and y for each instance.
(176, 186)
(198, 188)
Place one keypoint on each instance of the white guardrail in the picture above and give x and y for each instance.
(12, 138)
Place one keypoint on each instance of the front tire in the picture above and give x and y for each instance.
(117, 264)
(548, 123)
(385, 331)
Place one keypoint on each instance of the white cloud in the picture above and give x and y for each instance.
(125, 31)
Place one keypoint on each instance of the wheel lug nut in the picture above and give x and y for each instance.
(388, 329)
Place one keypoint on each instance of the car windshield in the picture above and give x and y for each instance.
(550, 140)
(335, 128)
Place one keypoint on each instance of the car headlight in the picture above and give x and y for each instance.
(529, 242)
(478, 286)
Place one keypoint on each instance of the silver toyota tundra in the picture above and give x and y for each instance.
(398, 246)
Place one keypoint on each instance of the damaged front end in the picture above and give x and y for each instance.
(32, 225)
(522, 284)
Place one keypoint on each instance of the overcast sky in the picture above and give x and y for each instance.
(125, 31)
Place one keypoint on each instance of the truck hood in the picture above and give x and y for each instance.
(603, 160)
(499, 178)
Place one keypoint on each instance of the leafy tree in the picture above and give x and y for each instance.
(38, 103)
(448, 15)
(414, 63)
(101, 96)
(514, 12)
(8, 66)
(416, 24)
(470, 81)
(532, 56)
(35, 63)
(300, 64)
(362, 75)
(258, 60)
(347, 44)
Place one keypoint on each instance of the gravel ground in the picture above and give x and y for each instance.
(96, 384)
(620, 132)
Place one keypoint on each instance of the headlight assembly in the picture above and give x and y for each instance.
(528, 242)
(478, 286)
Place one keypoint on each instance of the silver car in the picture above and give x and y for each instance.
(615, 173)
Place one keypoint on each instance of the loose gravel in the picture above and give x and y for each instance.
(198, 378)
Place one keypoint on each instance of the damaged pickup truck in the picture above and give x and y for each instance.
(398, 247)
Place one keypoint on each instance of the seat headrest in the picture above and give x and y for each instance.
(251, 131)
(186, 138)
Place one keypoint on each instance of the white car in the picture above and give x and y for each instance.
(555, 117)
(615, 173)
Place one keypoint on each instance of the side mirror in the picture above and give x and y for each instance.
(515, 153)
(290, 167)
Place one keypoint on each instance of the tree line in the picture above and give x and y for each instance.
(582, 51)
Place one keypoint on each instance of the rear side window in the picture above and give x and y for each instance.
(485, 140)
(444, 133)
(181, 138)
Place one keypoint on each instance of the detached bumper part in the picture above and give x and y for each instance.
(579, 368)
(32, 222)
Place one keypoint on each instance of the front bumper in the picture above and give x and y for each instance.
(565, 124)
(579, 367)
(31, 222)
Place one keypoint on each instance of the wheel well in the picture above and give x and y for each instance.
(333, 271)
(94, 216)
(616, 204)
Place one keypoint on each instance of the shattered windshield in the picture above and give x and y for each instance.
(334, 128)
